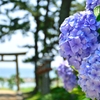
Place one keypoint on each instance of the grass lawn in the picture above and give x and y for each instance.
(35, 97)
(4, 88)
(26, 89)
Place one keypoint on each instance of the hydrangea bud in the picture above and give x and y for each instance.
(67, 75)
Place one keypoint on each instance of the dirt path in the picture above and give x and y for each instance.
(10, 95)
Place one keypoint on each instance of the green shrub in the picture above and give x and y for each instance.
(60, 93)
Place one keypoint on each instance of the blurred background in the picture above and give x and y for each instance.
(32, 27)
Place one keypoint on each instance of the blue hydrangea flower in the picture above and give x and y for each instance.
(89, 75)
(91, 4)
(78, 38)
(67, 75)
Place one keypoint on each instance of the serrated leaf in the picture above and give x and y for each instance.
(97, 11)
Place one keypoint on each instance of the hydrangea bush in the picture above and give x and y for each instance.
(79, 45)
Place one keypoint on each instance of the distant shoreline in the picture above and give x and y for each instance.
(29, 80)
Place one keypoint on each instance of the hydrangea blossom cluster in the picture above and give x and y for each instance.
(91, 4)
(67, 75)
(78, 38)
(89, 75)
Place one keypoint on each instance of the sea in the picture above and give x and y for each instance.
(24, 72)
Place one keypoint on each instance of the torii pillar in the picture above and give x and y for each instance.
(16, 60)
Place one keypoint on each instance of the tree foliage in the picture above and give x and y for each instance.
(77, 6)
(2, 81)
(12, 81)
(43, 14)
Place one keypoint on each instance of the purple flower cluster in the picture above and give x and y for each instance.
(67, 75)
(79, 45)
(89, 75)
(78, 38)
(91, 4)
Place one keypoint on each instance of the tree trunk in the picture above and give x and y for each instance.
(65, 10)
(35, 90)
(36, 46)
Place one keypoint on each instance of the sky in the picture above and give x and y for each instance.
(18, 40)
(13, 46)
(80, 1)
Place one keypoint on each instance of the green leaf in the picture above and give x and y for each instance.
(98, 17)
(97, 12)
(98, 31)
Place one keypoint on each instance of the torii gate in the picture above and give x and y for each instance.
(16, 60)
